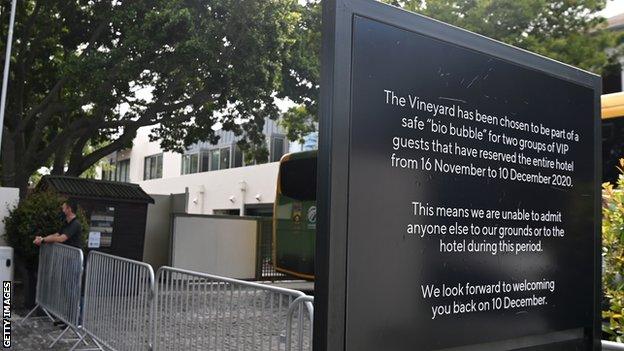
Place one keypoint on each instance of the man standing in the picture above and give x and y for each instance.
(71, 231)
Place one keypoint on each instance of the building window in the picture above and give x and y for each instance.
(119, 171)
(122, 171)
(225, 158)
(107, 174)
(153, 167)
(190, 163)
(277, 148)
(227, 212)
(205, 160)
(238, 157)
(214, 160)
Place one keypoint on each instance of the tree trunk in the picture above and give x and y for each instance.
(8, 159)
(14, 172)
(58, 168)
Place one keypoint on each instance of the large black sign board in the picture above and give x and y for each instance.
(459, 189)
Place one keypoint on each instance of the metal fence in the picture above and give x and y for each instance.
(303, 308)
(59, 284)
(195, 311)
(118, 302)
(265, 268)
(612, 346)
(125, 309)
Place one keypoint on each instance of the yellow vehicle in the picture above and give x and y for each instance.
(294, 215)
(612, 134)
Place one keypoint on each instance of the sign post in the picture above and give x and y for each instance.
(459, 198)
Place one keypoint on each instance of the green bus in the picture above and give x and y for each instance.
(294, 215)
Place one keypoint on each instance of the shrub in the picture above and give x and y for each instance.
(613, 257)
(38, 214)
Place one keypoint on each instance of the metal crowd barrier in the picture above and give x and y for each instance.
(117, 302)
(59, 284)
(125, 310)
(612, 346)
(303, 305)
(195, 311)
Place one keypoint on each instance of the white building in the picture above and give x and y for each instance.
(214, 178)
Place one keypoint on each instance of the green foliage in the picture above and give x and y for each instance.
(91, 72)
(301, 71)
(92, 172)
(297, 122)
(38, 214)
(87, 74)
(564, 30)
(613, 257)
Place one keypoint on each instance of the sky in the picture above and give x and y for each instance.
(614, 7)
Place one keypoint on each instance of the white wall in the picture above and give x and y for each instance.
(157, 244)
(209, 191)
(215, 245)
(141, 148)
(8, 199)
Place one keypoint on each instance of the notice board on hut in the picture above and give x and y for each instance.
(458, 190)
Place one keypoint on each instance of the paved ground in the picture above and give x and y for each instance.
(301, 285)
(221, 319)
(208, 316)
(216, 318)
(37, 334)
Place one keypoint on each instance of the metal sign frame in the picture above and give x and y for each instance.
(334, 147)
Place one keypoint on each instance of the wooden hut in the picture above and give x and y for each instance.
(117, 212)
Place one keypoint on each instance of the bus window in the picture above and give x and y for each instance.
(298, 179)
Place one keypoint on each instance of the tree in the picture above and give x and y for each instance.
(569, 31)
(564, 30)
(88, 73)
(612, 253)
(301, 72)
(38, 214)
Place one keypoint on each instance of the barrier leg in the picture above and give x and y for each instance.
(48, 314)
(21, 323)
(75, 331)
(28, 315)
(78, 335)
(98, 345)
(83, 340)
(59, 337)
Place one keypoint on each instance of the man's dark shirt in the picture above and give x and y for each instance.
(73, 230)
